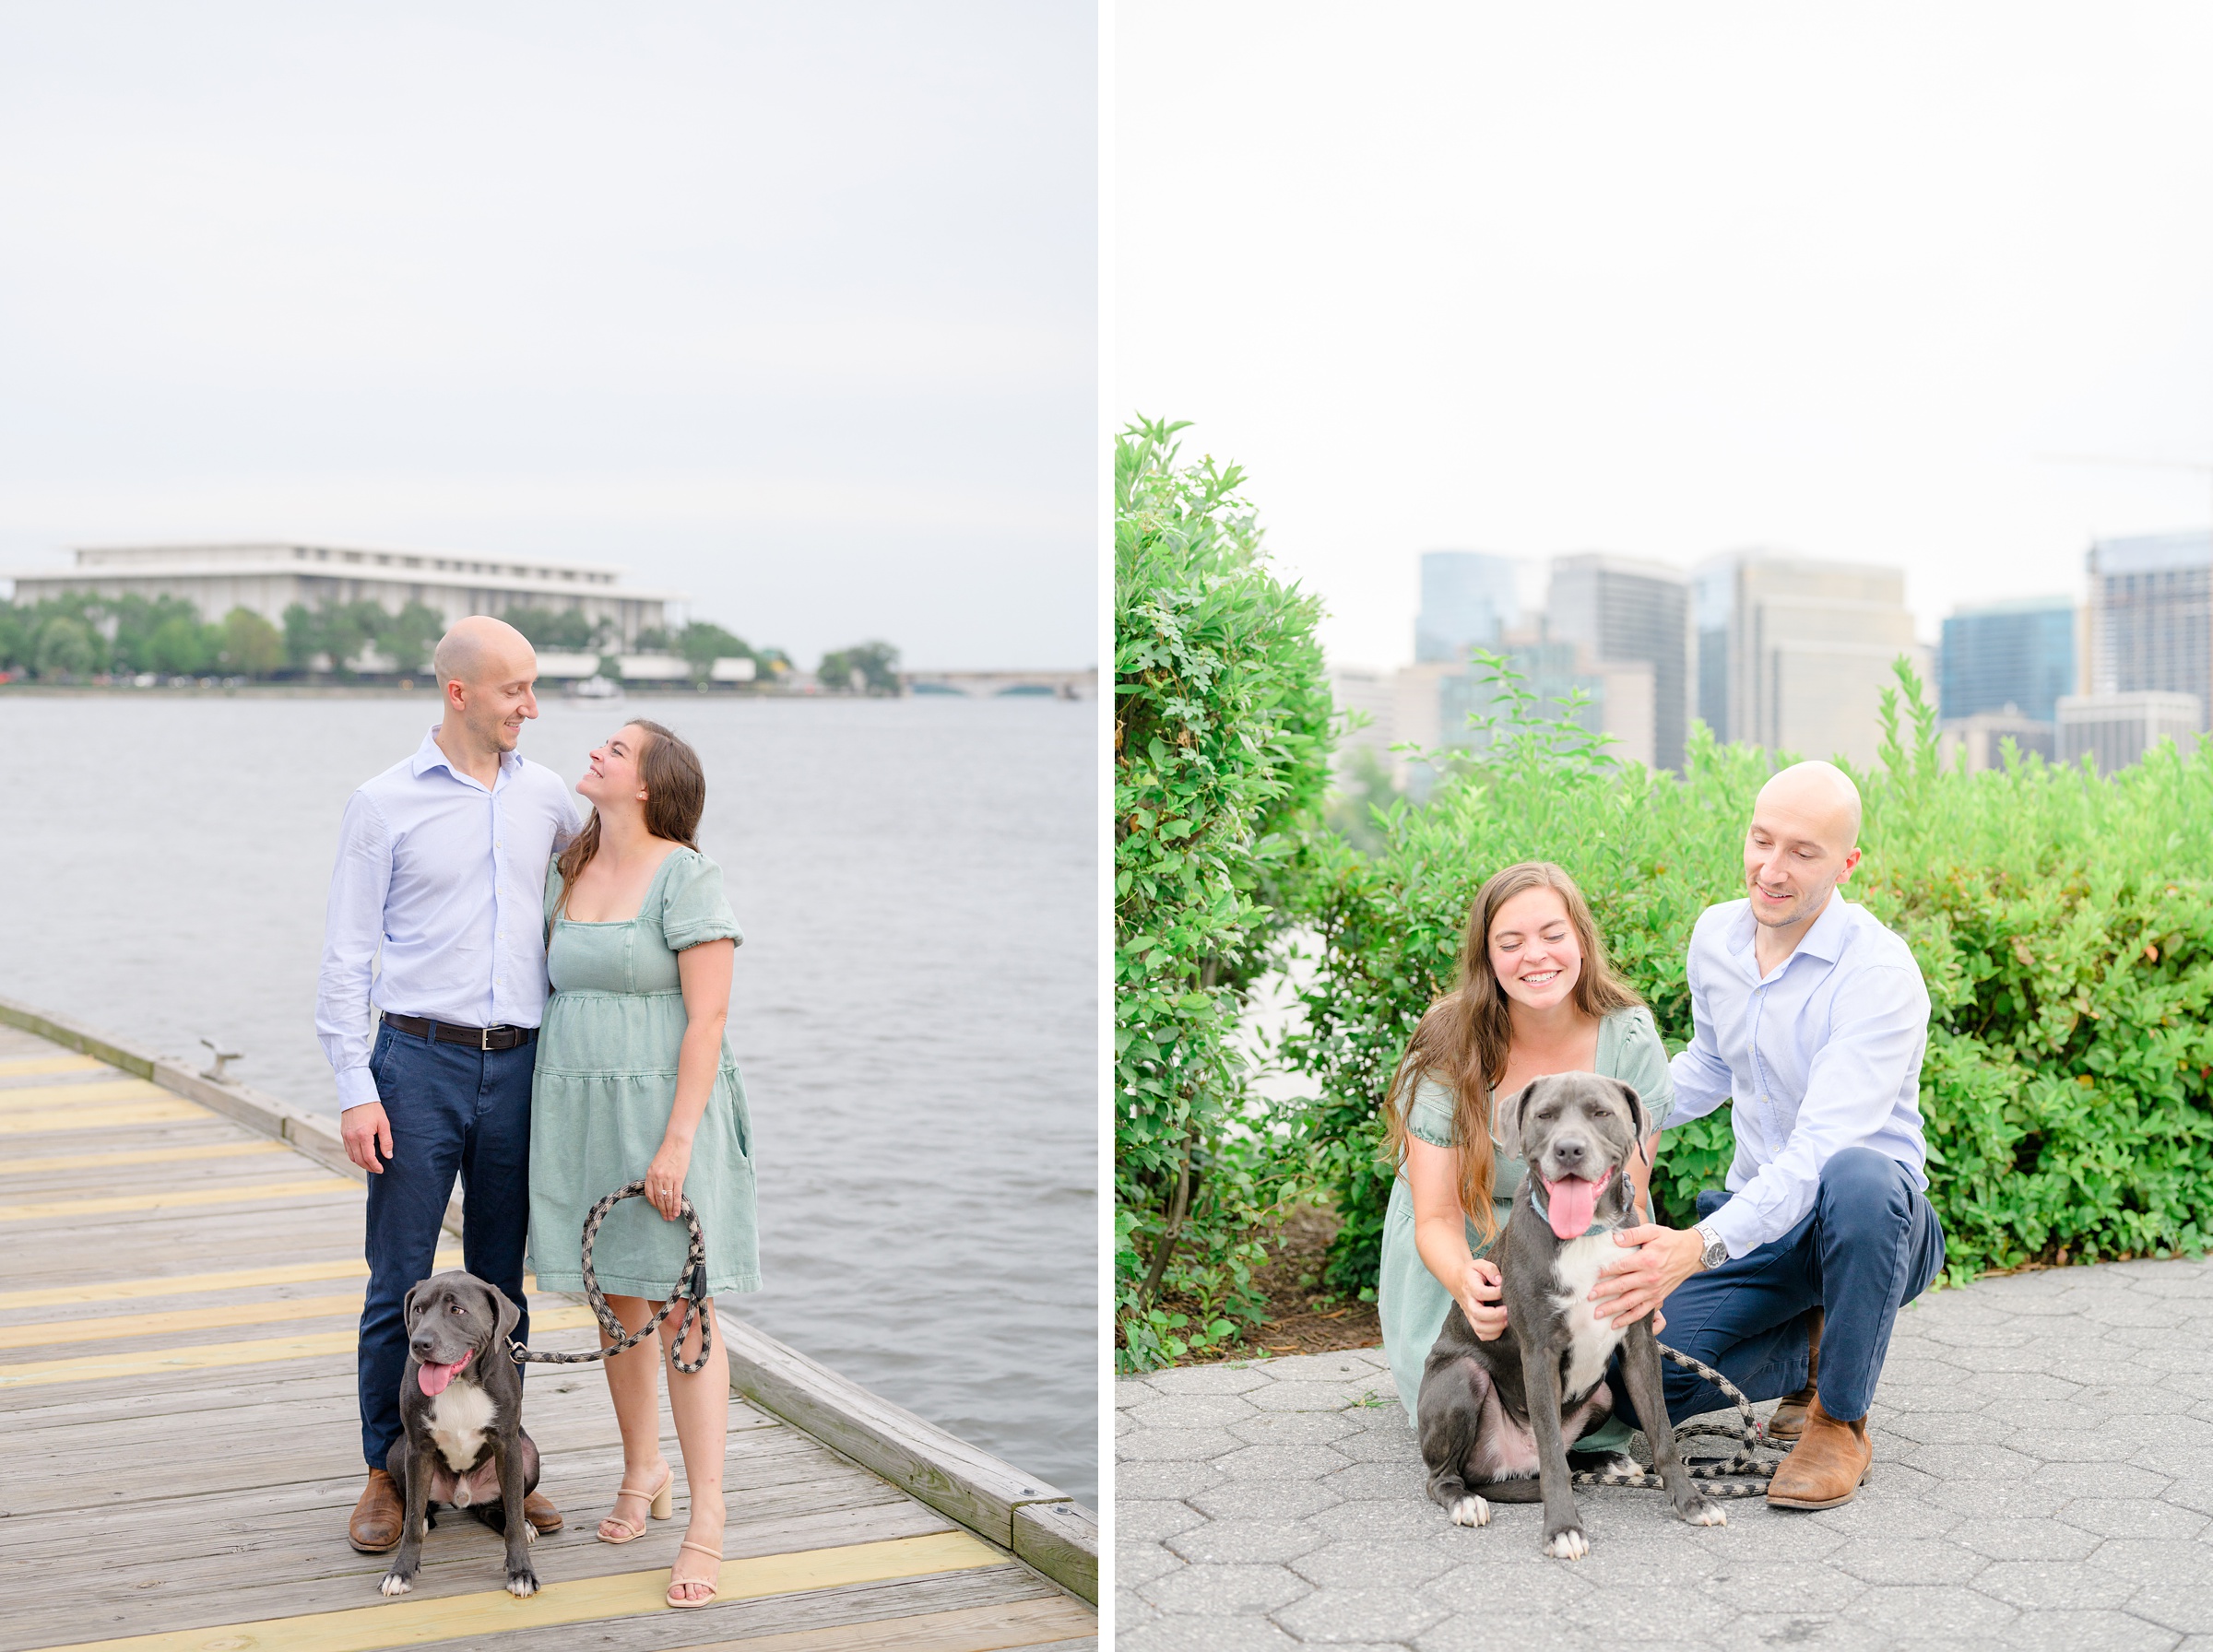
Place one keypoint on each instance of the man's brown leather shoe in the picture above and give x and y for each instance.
(1788, 1422)
(539, 1511)
(1827, 1464)
(375, 1529)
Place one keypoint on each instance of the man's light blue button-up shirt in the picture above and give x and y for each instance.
(1822, 1054)
(447, 881)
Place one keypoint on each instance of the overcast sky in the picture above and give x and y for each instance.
(1667, 280)
(791, 307)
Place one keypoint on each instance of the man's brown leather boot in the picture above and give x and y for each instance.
(1789, 1418)
(1827, 1464)
(538, 1509)
(375, 1529)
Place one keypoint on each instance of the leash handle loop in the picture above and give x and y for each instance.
(690, 1290)
(1742, 1468)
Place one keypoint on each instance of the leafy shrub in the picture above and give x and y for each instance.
(2062, 922)
(1222, 729)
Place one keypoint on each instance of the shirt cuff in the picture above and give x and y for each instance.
(1736, 1224)
(357, 1086)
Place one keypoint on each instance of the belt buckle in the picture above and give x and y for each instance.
(483, 1040)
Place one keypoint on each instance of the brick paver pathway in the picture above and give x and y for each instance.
(2043, 1478)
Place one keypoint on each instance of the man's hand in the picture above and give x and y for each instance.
(367, 1133)
(1478, 1297)
(1660, 1259)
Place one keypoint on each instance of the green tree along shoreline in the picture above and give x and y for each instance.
(2063, 920)
(78, 635)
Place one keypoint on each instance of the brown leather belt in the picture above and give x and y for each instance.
(476, 1038)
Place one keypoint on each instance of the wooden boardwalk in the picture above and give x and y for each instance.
(179, 1446)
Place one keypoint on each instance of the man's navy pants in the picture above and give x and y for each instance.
(1870, 1244)
(455, 1110)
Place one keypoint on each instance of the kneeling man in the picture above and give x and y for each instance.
(1812, 1018)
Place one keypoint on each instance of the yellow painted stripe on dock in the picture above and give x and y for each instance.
(142, 1155)
(266, 1312)
(53, 1095)
(179, 1319)
(184, 1284)
(176, 1198)
(260, 1350)
(15, 1067)
(172, 1110)
(408, 1622)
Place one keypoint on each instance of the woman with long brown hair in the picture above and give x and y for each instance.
(635, 1079)
(1534, 997)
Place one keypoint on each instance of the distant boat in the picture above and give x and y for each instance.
(595, 688)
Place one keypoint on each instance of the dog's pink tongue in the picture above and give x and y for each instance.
(1570, 1202)
(433, 1378)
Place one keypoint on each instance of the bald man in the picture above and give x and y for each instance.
(1812, 1017)
(434, 980)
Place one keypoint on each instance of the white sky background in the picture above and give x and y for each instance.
(791, 307)
(1664, 282)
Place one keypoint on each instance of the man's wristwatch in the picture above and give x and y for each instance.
(1715, 1253)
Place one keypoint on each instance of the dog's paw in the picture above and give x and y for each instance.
(522, 1584)
(394, 1584)
(1704, 1511)
(530, 1532)
(1569, 1544)
(1470, 1511)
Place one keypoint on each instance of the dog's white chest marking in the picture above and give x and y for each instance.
(459, 1419)
(1592, 1340)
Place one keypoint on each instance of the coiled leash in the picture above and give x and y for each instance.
(690, 1290)
(1744, 1466)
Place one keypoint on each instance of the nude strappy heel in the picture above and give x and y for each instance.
(661, 1505)
(707, 1584)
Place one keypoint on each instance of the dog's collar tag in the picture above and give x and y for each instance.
(1535, 1183)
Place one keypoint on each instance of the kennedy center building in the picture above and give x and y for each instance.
(269, 578)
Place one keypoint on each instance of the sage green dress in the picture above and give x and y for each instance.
(1409, 1300)
(606, 1082)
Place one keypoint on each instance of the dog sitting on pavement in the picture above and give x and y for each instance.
(1497, 1419)
(461, 1438)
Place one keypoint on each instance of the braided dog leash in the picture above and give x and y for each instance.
(690, 1290)
(1743, 1466)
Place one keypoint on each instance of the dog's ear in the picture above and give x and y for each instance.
(407, 1309)
(1641, 1118)
(1506, 1113)
(506, 1315)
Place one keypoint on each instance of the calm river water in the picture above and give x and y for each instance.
(914, 1011)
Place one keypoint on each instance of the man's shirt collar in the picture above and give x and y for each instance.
(1825, 940)
(431, 755)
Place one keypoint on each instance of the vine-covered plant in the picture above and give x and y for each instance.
(2063, 921)
(1221, 746)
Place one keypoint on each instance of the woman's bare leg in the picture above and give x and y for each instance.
(633, 1384)
(701, 1400)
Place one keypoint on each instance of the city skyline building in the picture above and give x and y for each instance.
(1795, 652)
(1470, 599)
(267, 578)
(2016, 657)
(2148, 624)
(2116, 730)
(1622, 611)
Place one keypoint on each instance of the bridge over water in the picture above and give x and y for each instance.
(985, 685)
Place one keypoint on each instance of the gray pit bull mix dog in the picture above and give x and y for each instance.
(1492, 1415)
(461, 1437)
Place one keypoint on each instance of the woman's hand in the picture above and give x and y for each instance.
(1479, 1296)
(665, 1178)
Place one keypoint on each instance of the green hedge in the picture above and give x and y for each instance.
(2063, 921)
(1221, 749)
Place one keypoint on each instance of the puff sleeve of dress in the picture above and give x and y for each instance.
(693, 909)
(1641, 1063)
